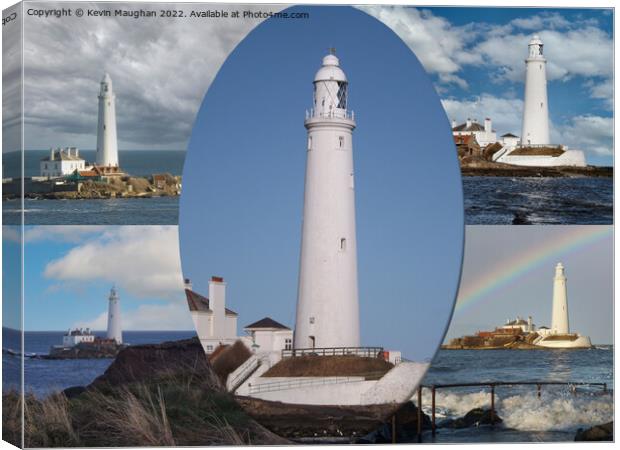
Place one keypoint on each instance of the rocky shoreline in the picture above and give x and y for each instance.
(157, 185)
(481, 168)
(169, 394)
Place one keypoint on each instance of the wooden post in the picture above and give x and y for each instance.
(604, 387)
(433, 427)
(538, 390)
(394, 429)
(420, 413)
(492, 404)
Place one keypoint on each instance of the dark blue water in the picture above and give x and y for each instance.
(45, 376)
(496, 200)
(133, 162)
(119, 211)
(555, 416)
(113, 211)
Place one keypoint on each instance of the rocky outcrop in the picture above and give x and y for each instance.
(604, 432)
(154, 362)
(480, 167)
(357, 423)
(474, 418)
(152, 395)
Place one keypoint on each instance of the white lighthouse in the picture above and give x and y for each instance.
(559, 316)
(107, 149)
(327, 302)
(115, 330)
(535, 110)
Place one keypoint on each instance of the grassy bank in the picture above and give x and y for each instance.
(145, 404)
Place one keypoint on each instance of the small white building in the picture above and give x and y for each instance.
(77, 336)
(215, 324)
(484, 133)
(61, 162)
(526, 326)
(510, 141)
(267, 335)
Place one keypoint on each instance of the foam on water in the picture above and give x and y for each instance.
(553, 411)
(557, 413)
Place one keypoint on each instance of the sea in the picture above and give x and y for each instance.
(537, 201)
(117, 211)
(45, 376)
(555, 416)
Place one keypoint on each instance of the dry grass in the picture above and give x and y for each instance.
(228, 359)
(537, 151)
(175, 412)
(329, 366)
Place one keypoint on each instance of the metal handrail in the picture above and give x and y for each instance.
(301, 383)
(492, 385)
(244, 370)
(334, 351)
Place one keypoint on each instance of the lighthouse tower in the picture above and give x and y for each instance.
(327, 302)
(535, 111)
(107, 150)
(114, 318)
(559, 316)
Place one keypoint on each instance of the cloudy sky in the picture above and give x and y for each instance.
(70, 270)
(162, 68)
(508, 272)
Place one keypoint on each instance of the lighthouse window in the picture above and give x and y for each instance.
(341, 141)
(342, 94)
(309, 142)
(343, 244)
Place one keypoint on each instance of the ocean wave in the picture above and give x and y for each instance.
(553, 411)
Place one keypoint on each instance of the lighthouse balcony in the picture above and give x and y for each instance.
(337, 113)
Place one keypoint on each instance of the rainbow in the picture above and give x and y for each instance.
(572, 240)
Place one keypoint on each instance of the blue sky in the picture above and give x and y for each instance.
(69, 271)
(241, 210)
(474, 56)
(476, 59)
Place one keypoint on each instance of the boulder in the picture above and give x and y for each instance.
(604, 432)
(473, 418)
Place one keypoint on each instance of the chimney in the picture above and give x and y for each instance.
(487, 125)
(51, 154)
(529, 324)
(468, 123)
(77, 151)
(217, 304)
(188, 283)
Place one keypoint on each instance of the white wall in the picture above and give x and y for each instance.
(574, 158)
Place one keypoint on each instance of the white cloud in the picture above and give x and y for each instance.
(170, 316)
(585, 52)
(160, 69)
(506, 113)
(594, 134)
(144, 261)
(440, 46)
(61, 233)
(573, 49)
